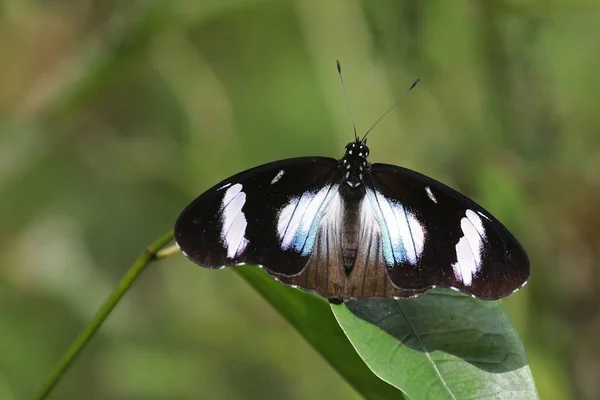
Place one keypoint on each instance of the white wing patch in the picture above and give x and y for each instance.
(299, 220)
(483, 215)
(430, 194)
(402, 234)
(233, 221)
(224, 186)
(469, 248)
(277, 177)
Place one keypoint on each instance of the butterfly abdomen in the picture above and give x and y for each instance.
(350, 240)
(352, 198)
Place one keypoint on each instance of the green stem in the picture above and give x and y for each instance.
(84, 337)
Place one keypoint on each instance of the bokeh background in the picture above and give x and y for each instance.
(115, 114)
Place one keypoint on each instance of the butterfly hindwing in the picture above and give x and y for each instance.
(325, 274)
(434, 236)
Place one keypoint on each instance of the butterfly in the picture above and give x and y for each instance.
(347, 229)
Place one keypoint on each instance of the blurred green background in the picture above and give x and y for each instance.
(114, 115)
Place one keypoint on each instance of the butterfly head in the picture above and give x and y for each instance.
(357, 149)
(354, 162)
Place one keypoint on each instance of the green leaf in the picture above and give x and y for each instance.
(443, 345)
(313, 318)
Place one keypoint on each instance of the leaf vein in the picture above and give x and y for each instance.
(425, 350)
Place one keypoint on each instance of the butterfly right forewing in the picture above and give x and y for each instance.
(442, 237)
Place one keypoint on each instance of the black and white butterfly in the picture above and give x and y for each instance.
(348, 229)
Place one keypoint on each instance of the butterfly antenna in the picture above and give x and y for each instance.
(390, 109)
(339, 67)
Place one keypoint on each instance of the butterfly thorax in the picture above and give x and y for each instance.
(354, 165)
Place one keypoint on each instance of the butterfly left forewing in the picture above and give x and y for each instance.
(434, 236)
(262, 216)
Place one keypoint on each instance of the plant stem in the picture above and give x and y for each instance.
(86, 334)
(164, 253)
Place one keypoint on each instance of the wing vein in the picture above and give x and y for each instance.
(386, 227)
(412, 239)
(291, 219)
(366, 263)
(325, 199)
(327, 259)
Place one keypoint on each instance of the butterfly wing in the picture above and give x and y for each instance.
(267, 216)
(431, 235)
